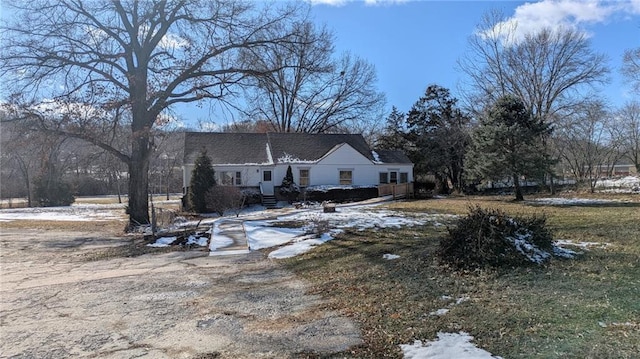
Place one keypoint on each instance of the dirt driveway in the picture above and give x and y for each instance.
(59, 300)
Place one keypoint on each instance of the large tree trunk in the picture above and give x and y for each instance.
(139, 179)
(516, 184)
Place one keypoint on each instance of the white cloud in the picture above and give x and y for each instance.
(557, 14)
(366, 2)
(172, 42)
(328, 2)
(383, 2)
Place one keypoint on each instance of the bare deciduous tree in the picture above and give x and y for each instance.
(631, 67)
(141, 57)
(166, 162)
(548, 69)
(629, 131)
(588, 143)
(312, 92)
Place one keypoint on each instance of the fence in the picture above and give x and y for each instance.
(400, 190)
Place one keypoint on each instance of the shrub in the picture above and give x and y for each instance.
(220, 199)
(52, 191)
(340, 193)
(489, 237)
(251, 196)
(318, 226)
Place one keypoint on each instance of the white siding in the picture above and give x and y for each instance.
(327, 170)
(250, 174)
(324, 172)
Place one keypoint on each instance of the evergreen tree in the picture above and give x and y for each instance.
(393, 135)
(438, 130)
(202, 180)
(508, 144)
(288, 187)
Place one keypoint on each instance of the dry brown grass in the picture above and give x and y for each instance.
(582, 308)
(107, 228)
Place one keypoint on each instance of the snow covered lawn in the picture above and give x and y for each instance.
(75, 213)
(295, 241)
(629, 184)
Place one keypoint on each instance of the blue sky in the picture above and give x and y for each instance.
(416, 43)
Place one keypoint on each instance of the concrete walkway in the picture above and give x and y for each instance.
(228, 238)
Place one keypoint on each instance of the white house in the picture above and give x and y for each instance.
(260, 160)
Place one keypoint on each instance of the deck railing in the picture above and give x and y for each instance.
(400, 190)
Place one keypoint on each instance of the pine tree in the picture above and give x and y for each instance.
(393, 135)
(202, 180)
(508, 144)
(288, 187)
(438, 131)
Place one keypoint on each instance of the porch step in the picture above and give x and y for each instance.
(269, 201)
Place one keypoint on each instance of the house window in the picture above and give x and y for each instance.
(394, 177)
(226, 178)
(304, 178)
(266, 176)
(384, 177)
(346, 177)
(404, 177)
(231, 178)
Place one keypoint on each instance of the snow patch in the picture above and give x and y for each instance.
(447, 346)
(288, 158)
(522, 243)
(376, 157)
(623, 185)
(200, 241)
(295, 241)
(299, 247)
(389, 256)
(260, 234)
(269, 157)
(163, 242)
(573, 201)
(440, 312)
(583, 245)
(73, 213)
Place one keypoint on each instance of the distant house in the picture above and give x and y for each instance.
(260, 160)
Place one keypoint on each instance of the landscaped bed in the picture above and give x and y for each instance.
(392, 283)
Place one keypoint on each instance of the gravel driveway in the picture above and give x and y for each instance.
(56, 303)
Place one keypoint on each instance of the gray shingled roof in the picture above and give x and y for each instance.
(226, 148)
(311, 147)
(242, 148)
(393, 156)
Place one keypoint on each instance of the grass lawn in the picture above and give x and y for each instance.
(587, 307)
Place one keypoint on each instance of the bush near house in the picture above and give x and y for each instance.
(339, 193)
(220, 199)
(252, 196)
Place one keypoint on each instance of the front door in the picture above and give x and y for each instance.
(267, 182)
